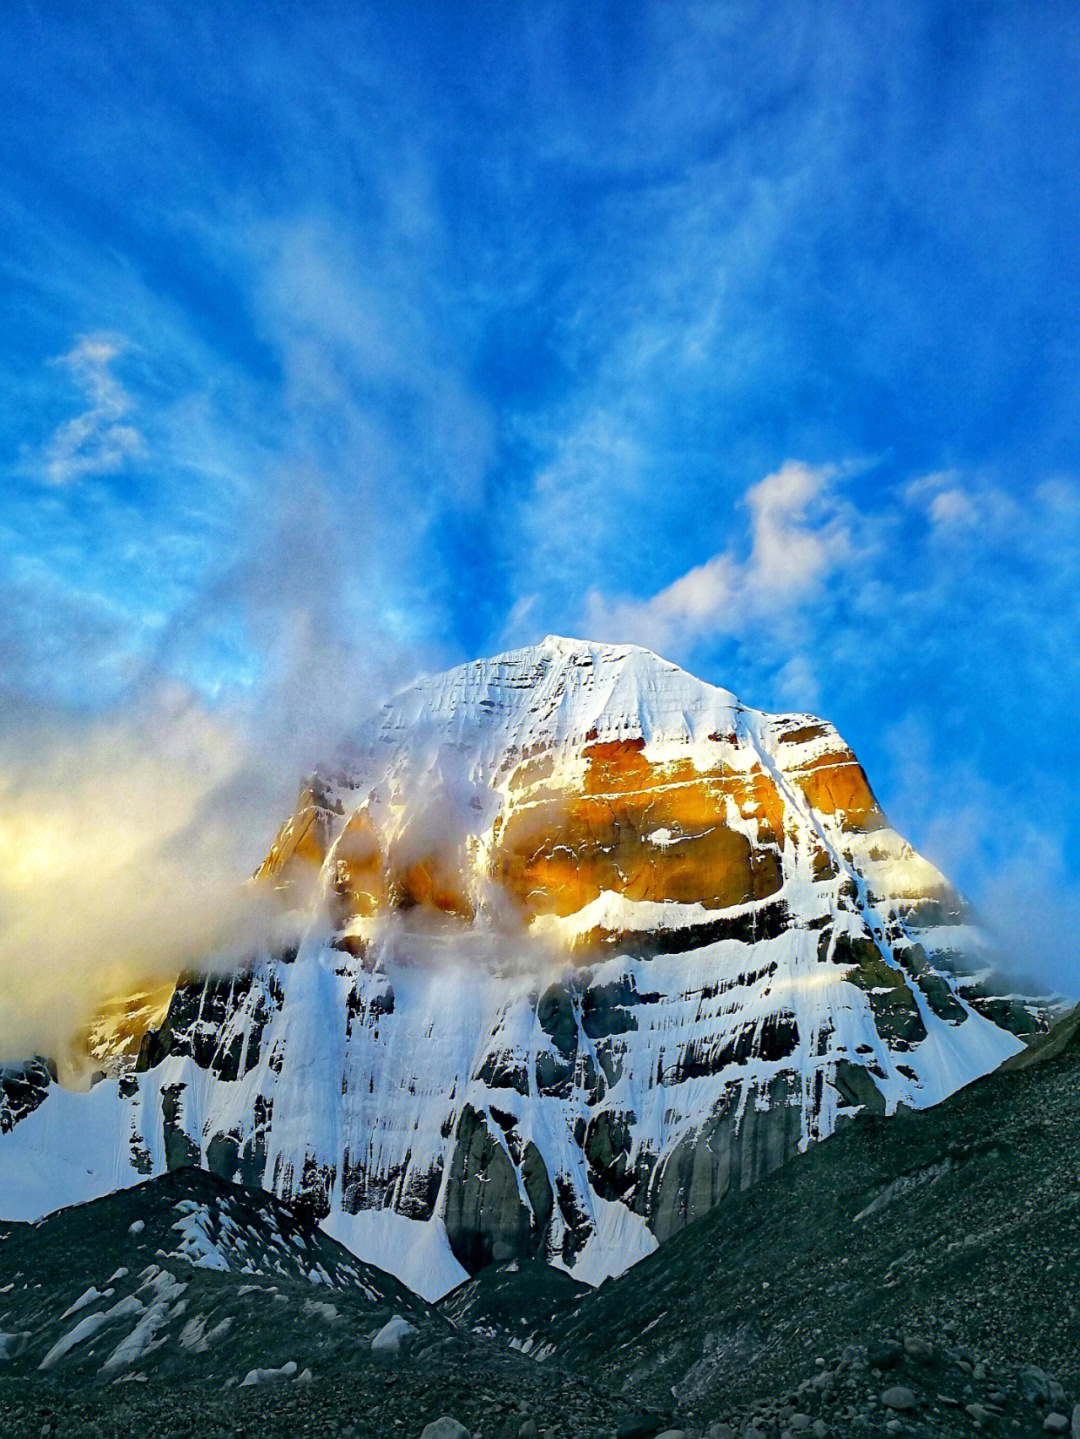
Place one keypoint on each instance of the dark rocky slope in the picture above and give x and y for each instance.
(189, 1306)
(957, 1228)
(513, 1302)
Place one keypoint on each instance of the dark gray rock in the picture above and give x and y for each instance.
(885, 1354)
(1034, 1385)
(919, 1350)
(725, 1154)
(899, 1397)
(638, 1425)
(23, 1087)
(486, 1222)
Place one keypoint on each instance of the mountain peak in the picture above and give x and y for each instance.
(563, 644)
(558, 692)
(585, 944)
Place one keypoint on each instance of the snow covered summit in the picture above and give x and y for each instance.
(586, 943)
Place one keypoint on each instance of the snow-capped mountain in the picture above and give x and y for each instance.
(586, 942)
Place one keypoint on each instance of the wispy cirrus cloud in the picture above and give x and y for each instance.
(100, 440)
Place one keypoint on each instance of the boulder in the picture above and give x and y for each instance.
(392, 1335)
(1034, 1385)
(444, 1428)
(899, 1397)
(919, 1350)
(884, 1354)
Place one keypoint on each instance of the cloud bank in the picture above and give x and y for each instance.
(123, 844)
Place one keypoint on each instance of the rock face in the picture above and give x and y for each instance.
(586, 943)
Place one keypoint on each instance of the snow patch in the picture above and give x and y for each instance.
(196, 1246)
(197, 1337)
(268, 1376)
(86, 1328)
(92, 1295)
(418, 1253)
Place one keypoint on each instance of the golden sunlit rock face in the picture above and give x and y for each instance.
(642, 830)
(300, 847)
(367, 877)
(836, 785)
(432, 882)
(118, 1029)
(710, 830)
(359, 869)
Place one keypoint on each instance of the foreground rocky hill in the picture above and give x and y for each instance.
(935, 1253)
(187, 1276)
(585, 946)
(190, 1306)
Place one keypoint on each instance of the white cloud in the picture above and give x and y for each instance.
(124, 845)
(797, 683)
(800, 533)
(97, 442)
(954, 506)
(519, 627)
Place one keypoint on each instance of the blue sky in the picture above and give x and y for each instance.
(342, 340)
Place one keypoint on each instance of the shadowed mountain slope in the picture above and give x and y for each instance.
(958, 1227)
